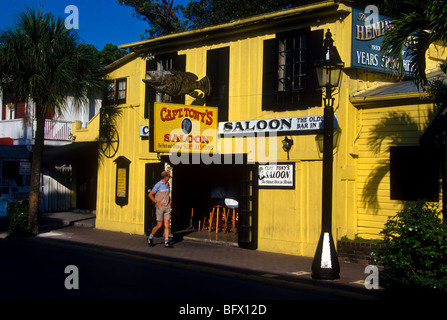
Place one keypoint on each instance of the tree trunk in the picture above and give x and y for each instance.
(35, 170)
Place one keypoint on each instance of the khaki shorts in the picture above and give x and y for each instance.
(163, 213)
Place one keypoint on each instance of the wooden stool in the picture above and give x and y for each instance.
(233, 219)
(204, 224)
(190, 219)
(215, 217)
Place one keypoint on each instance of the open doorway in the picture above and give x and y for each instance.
(194, 187)
(191, 187)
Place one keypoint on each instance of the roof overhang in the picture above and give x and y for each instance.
(389, 98)
(396, 92)
(76, 152)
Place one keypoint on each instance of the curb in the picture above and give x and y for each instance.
(84, 223)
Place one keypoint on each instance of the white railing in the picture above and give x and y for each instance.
(56, 130)
(17, 130)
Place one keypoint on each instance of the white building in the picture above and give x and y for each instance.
(17, 132)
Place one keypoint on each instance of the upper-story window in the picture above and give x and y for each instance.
(169, 61)
(121, 92)
(292, 63)
(116, 91)
(289, 80)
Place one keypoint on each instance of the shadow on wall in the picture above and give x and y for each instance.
(383, 136)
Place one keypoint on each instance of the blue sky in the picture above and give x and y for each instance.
(100, 21)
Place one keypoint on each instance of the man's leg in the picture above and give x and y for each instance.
(156, 228)
(166, 231)
(154, 231)
(167, 220)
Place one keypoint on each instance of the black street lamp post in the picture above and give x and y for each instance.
(325, 265)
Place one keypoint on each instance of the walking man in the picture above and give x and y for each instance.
(160, 196)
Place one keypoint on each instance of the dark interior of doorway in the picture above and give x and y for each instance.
(191, 195)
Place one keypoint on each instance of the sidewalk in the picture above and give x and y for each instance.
(67, 219)
(78, 229)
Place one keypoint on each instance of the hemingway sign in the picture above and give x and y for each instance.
(281, 175)
(278, 125)
(184, 128)
(368, 28)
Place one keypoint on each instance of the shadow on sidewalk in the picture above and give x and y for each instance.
(328, 290)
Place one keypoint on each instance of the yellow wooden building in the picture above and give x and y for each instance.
(263, 90)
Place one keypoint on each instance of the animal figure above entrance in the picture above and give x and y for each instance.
(177, 83)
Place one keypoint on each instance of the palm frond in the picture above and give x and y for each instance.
(42, 60)
(418, 24)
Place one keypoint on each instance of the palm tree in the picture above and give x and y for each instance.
(417, 23)
(42, 60)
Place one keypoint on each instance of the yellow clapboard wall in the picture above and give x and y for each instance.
(289, 220)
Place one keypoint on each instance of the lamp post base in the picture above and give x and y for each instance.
(325, 265)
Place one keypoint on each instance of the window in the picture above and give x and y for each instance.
(414, 173)
(110, 91)
(165, 62)
(121, 93)
(292, 64)
(116, 92)
(12, 109)
(289, 80)
(170, 61)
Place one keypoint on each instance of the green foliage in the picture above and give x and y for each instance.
(110, 53)
(416, 23)
(163, 17)
(415, 251)
(437, 90)
(203, 13)
(18, 218)
(42, 60)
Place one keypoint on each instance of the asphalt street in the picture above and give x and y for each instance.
(77, 269)
(35, 269)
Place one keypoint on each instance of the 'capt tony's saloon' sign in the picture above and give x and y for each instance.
(277, 125)
(184, 128)
(280, 175)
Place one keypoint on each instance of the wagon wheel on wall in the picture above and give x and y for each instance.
(109, 141)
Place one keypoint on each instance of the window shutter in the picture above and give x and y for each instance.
(270, 74)
(218, 71)
(20, 110)
(312, 97)
(179, 63)
(423, 182)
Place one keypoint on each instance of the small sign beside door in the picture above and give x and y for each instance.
(280, 175)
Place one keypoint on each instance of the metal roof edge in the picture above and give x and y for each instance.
(369, 100)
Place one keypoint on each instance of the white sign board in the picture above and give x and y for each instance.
(280, 175)
(144, 131)
(278, 125)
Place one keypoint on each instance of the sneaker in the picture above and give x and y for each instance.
(168, 245)
(150, 242)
